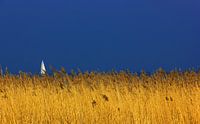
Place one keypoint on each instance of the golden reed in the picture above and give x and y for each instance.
(101, 98)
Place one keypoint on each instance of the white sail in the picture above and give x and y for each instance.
(43, 69)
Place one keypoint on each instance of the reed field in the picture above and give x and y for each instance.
(101, 98)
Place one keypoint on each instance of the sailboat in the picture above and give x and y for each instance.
(43, 69)
(1, 71)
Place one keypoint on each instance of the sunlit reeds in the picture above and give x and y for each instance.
(115, 97)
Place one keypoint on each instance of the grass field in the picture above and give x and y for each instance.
(101, 98)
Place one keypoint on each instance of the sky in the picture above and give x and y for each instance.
(99, 35)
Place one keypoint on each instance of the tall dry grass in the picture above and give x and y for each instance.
(102, 98)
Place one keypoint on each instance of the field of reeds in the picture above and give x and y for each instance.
(101, 98)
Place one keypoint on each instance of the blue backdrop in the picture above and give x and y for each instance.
(99, 34)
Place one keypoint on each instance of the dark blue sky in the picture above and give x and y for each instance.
(100, 34)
